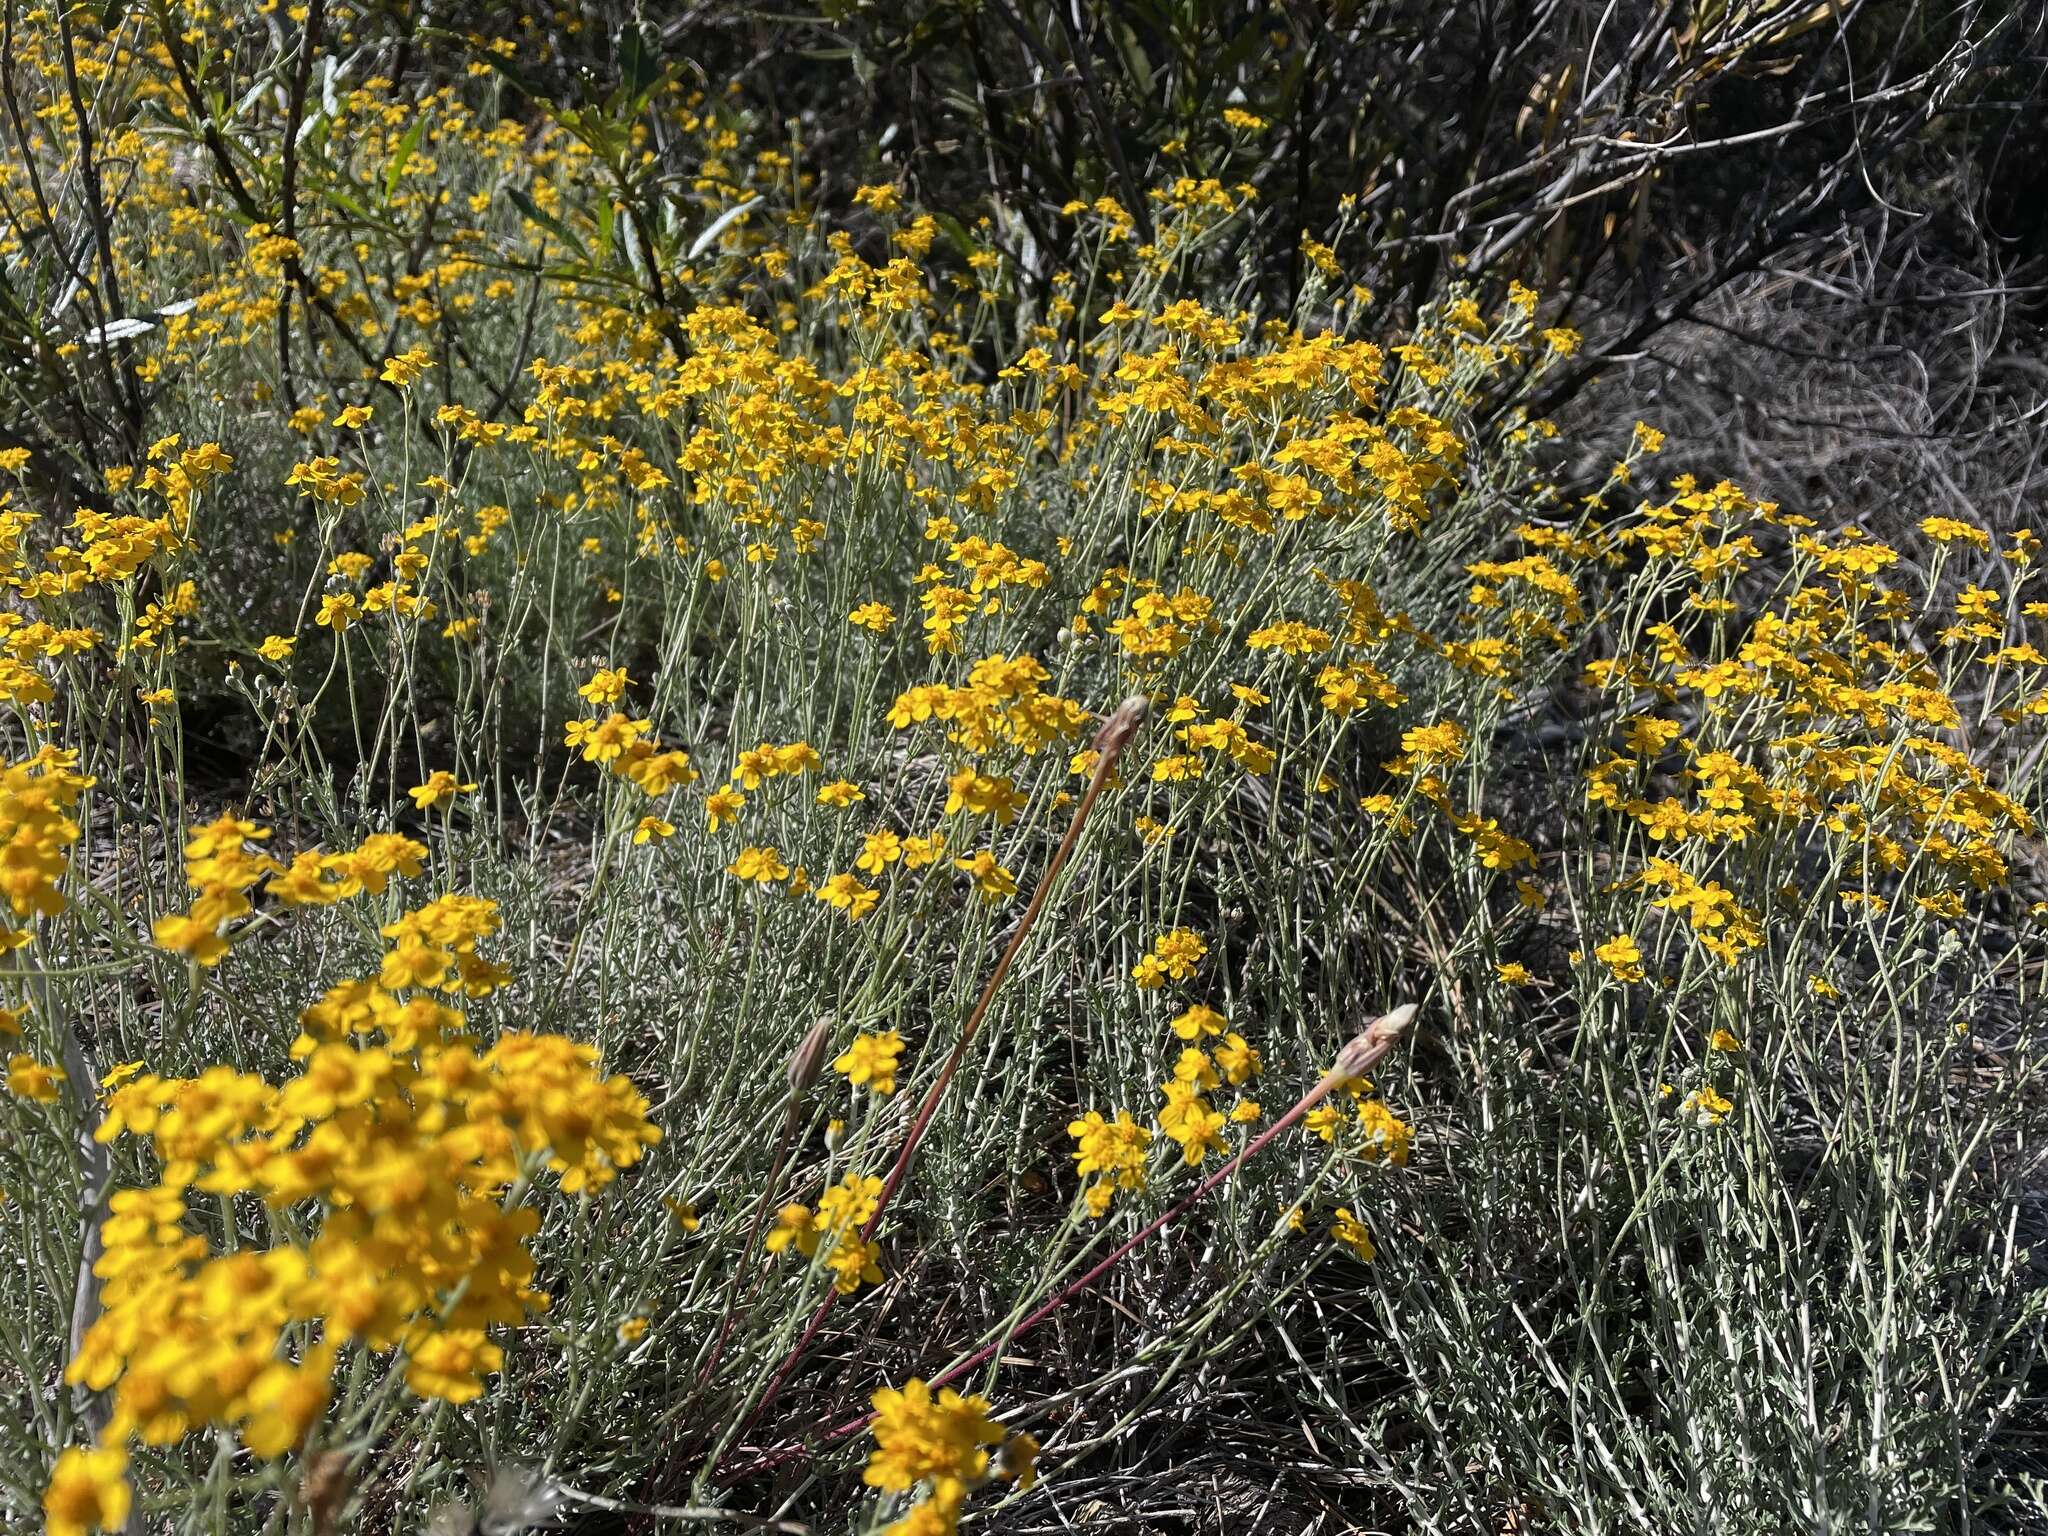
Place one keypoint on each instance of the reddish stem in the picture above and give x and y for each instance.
(1110, 741)
(1362, 1053)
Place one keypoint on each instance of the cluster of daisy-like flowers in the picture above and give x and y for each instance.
(1002, 705)
(223, 870)
(394, 1171)
(623, 744)
(1112, 1152)
(832, 1234)
(1211, 1055)
(78, 590)
(1823, 720)
(940, 1442)
(1822, 714)
(37, 798)
(1805, 776)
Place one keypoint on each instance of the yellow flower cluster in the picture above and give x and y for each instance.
(1003, 702)
(939, 1441)
(1172, 956)
(623, 744)
(1116, 1148)
(1374, 1134)
(435, 947)
(393, 1166)
(1145, 492)
(36, 830)
(220, 868)
(1820, 725)
(870, 1062)
(835, 1227)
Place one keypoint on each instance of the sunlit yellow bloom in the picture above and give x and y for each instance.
(33, 1080)
(439, 792)
(723, 806)
(840, 795)
(1351, 1232)
(991, 879)
(870, 1062)
(338, 610)
(88, 1491)
(606, 686)
(1172, 956)
(406, 367)
(847, 894)
(1621, 956)
(762, 866)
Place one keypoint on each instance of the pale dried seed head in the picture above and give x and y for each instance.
(324, 1489)
(1392, 1026)
(1122, 724)
(809, 1057)
(1373, 1042)
(520, 1498)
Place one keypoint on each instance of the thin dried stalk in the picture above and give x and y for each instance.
(1366, 1050)
(1110, 742)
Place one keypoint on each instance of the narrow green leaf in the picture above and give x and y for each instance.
(406, 146)
(639, 65)
(546, 221)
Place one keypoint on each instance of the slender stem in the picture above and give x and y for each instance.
(803, 1071)
(1364, 1051)
(693, 1512)
(288, 217)
(1110, 741)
